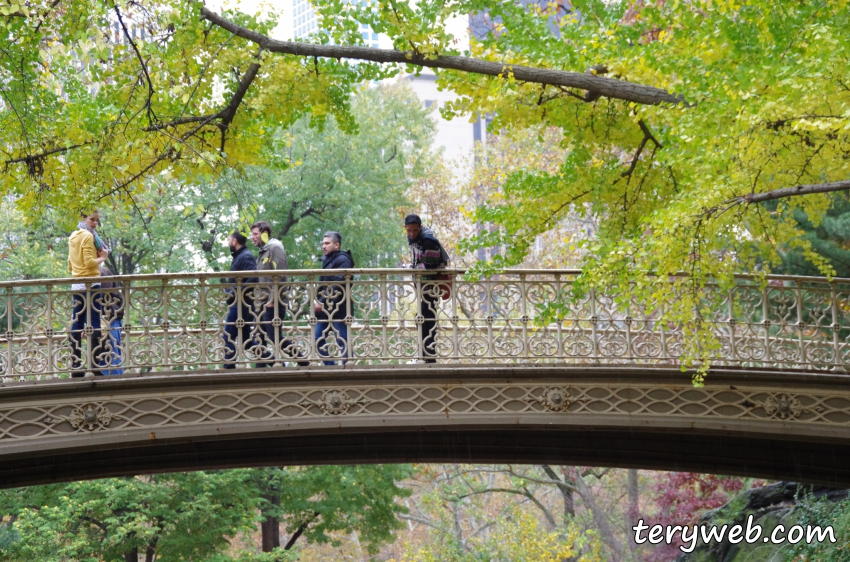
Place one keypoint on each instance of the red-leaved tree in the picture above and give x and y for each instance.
(681, 498)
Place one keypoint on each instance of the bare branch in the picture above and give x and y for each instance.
(524, 492)
(299, 531)
(599, 517)
(601, 85)
(648, 134)
(417, 519)
(183, 121)
(393, 155)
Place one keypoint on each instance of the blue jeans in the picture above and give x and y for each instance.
(231, 334)
(117, 352)
(339, 335)
(87, 310)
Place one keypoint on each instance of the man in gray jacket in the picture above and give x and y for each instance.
(272, 257)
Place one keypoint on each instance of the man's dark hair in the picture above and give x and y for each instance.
(412, 219)
(263, 226)
(239, 237)
(335, 237)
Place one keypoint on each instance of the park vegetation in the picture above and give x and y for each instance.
(638, 140)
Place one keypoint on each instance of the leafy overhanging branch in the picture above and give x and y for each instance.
(794, 191)
(782, 193)
(598, 85)
(34, 161)
(225, 116)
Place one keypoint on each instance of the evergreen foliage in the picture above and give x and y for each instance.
(829, 237)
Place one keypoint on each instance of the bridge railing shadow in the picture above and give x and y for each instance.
(211, 321)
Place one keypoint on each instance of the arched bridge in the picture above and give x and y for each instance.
(443, 370)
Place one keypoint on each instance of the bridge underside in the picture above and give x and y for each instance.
(817, 463)
(752, 423)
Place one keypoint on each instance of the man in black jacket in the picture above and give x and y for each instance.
(333, 303)
(426, 252)
(239, 297)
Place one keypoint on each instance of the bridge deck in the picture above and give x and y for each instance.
(527, 370)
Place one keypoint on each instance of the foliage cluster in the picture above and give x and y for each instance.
(678, 119)
(822, 512)
(195, 516)
(318, 180)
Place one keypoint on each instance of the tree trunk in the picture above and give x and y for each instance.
(566, 492)
(600, 519)
(632, 512)
(132, 556)
(150, 553)
(270, 527)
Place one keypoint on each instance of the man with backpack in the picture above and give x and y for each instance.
(426, 253)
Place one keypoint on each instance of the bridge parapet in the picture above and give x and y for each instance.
(180, 322)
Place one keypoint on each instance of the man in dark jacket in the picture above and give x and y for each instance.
(426, 253)
(239, 296)
(272, 300)
(333, 303)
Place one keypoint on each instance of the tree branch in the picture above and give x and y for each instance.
(417, 519)
(226, 115)
(298, 532)
(33, 161)
(524, 492)
(603, 86)
(793, 191)
(148, 104)
(599, 517)
(647, 136)
(565, 488)
(229, 112)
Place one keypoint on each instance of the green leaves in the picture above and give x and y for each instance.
(191, 516)
(333, 499)
(180, 516)
(665, 184)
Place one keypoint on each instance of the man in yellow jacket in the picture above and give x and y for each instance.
(86, 251)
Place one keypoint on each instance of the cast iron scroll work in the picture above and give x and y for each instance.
(785, 407)
(334, 402)
(791, 324)
(554, 399)
(90, 417)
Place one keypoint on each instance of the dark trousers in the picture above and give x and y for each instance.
(332, 333)
(87, 312)
(232, 333)
(428, 307)
(288, 348)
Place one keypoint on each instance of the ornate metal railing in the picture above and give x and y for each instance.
(201, 322)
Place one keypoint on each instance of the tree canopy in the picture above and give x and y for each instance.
(196, 515)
